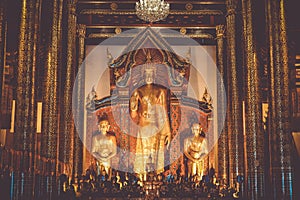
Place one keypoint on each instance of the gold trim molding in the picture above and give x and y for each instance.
(131, 12)
(170, 1)
(220, 31)
(153, 26)
(108, 35)
(81, 30)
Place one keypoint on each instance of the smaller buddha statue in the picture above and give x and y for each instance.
(195, 148)
(104, 146)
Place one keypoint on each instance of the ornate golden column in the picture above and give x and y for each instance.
(254, 135)
(50, 117)
(66, 139)
(281, 143)
(3, 29)
(223, 160)
(51, 84)
(79, 103)
(234, 115)
(24, 136)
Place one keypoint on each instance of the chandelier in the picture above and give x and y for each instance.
(152, 10)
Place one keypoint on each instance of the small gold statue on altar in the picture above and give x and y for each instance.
(195, 148)
(104, 146)
(148, 108)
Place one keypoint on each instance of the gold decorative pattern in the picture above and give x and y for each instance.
(183, 31)
(24, 132)
(132, 12)
(78, 146)
(51, 84)
(235, 128)
(81, 30)
(113, 6)
(25, 112)
(231, 6)
(108, 35)
(223, 149)
(282, 171)
(160, 27)
(104, 35)
(72, 7)
(67, 125)
(188, 6)
(212, 2)
(220, 32)
(118, 30)
(254, 135)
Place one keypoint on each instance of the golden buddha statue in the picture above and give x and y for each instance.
(148, 108)
(104, 146)
(195, 148)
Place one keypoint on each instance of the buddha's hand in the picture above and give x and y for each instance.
(104, 154)
(202, 155)
(134, 102)
(96, 155)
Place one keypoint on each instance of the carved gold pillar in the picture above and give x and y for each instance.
(223, 160)
(66, 139)
(51, 84)
(80, 105)
(3, 29)
(254, 135)
(50, 117)
(281, 143)
(24, 136)
(235, 118)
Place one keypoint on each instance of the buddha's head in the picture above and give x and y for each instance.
(149, 68)
(103, 124)
(196, 129)
(149, 75)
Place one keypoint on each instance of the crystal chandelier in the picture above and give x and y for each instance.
(152, 10)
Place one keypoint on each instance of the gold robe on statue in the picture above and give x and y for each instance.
(148, 105)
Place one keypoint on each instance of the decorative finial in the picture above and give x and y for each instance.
(207, 98)
(148, 57)
(93, 94)
(88, 99)
(189, 55)
(109, 57)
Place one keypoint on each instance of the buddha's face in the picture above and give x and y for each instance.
(149, 76)
(196, 129)
(103, 126)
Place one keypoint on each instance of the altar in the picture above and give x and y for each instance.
(149, 109)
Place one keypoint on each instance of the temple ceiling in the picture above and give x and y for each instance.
(196, 19)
